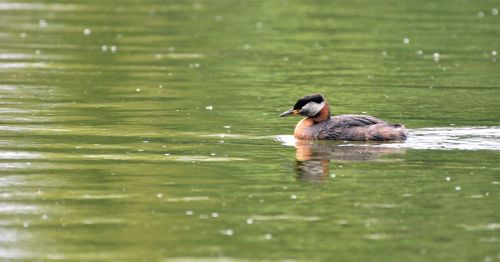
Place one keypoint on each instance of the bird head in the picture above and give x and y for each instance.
(308, 106)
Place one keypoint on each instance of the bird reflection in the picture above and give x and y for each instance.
(313, 157)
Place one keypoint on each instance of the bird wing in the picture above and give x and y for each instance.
(354, 121)
(333, 129)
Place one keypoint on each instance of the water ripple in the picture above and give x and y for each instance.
(438, 138)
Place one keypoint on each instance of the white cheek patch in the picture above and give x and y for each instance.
(312, 108)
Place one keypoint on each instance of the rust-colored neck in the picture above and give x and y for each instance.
(301, 130)
(323, 115)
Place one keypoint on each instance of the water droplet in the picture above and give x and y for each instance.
(42, 23)
(448, 178)
(268, 236)
(458, 188)
(293, 196)
(249, 221)
(420, 52)
(87, 31)
(227, 232)
(494, 52)
(480, 14)
(209, 107)
(406, 40)
(137, 90)
(215, 215)
(166, 154)
(384, 53)
(227, 127)
(333, 175)
(114, 49)
(259, 26)
(189, 212)
(26, 224)
(494, 11)
(435, 56)
(104, 48)
(159, 195)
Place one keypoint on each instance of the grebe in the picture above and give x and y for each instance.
(319, 125)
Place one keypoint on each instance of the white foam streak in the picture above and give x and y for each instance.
(439, 138)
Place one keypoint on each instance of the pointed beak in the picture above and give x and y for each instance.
(289, 113)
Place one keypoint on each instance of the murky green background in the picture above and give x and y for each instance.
(148, 131)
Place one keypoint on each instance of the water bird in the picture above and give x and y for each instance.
(318, 123)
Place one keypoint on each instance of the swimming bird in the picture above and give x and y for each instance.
(318, 124)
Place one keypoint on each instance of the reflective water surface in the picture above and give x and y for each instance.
(148, 131)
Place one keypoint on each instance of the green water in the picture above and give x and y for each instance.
(148, 131)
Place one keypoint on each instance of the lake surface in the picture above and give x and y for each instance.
(148, 131)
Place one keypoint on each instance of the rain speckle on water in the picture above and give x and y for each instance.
(435, 56)
(42, 23)
(227, 232)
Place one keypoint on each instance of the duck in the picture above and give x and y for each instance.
(319, 124)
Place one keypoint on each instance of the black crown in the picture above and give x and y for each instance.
(318, 98)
